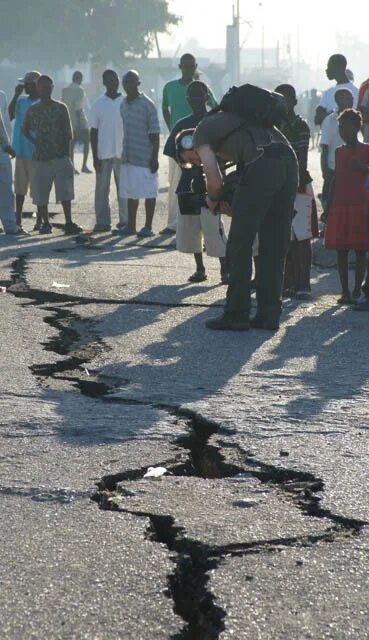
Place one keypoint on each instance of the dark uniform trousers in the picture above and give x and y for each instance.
(263, 203)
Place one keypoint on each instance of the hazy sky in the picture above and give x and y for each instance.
(313, 23)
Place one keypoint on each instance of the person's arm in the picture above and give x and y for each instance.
(302, 150)
(4, 139)
(212, 102)
(364, 108)
(66, 125)
(165, 107)
(26, 127)
(94, 140)
(320, 114)
(153, 129)
(155, 141)
(326, 141)
(324, 160)
(94, 137)
(214, 178)
(11, 109)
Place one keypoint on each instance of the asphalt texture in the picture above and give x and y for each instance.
(258, 527)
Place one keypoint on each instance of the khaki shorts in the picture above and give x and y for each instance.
(193, 231)
(22, 176)
(58, 171)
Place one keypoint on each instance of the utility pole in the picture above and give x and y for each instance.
(238, 52)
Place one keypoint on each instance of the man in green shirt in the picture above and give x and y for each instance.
(175, 107)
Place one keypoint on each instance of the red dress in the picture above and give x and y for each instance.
(347, 215)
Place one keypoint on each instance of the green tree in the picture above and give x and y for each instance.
(50, 33)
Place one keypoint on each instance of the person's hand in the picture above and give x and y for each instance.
(97, 165)
(212, 205)
(225, 209)
(356, 165)
(154, 165)
(18, 90)
(10, 151)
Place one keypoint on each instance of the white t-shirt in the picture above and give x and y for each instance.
(331, 137)
(105, 117)
(327, 100)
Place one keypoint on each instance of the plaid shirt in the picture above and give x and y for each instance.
(297, 133)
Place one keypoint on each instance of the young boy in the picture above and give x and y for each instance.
(304, 224)
(193, 230)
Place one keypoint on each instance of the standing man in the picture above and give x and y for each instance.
(106, 144)
(175, 107)
(263, 203)
(23, 147)
(139, 168)
(47, 125)
(7, 215)
(74, 97)
(336, 70)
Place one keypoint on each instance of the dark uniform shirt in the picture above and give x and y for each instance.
(234, 140)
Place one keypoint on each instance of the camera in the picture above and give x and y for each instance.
(191, 202)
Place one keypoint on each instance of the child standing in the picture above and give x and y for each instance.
(347, 209)
(194, 230)
(305, 222)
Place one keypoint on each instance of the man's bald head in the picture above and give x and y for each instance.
(131, 76)
(131, 82)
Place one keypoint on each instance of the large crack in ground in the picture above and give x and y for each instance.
(194, 560)
(202, 454)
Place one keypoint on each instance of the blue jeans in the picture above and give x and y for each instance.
(7, 209)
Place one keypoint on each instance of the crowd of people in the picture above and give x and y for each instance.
(274, 213)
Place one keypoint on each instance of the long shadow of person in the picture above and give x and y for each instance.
(322, 357)
(155, 356)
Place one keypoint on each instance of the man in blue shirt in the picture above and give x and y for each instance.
(23, 147)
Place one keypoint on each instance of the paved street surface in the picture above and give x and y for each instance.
(258, 531)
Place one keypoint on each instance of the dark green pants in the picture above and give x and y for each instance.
(263, 203)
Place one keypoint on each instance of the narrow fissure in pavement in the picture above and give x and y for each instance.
(19, 287)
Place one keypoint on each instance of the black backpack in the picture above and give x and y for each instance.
(255, 105)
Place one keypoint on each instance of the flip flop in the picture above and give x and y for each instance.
(198, 276)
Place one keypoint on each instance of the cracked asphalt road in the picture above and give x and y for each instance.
(260, 529)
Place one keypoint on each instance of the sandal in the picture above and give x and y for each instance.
(198, 276)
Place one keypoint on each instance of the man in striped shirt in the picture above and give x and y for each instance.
(139, 167)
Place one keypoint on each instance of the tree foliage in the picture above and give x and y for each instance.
(58, 32)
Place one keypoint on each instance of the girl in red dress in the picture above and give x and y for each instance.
(346, 225)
